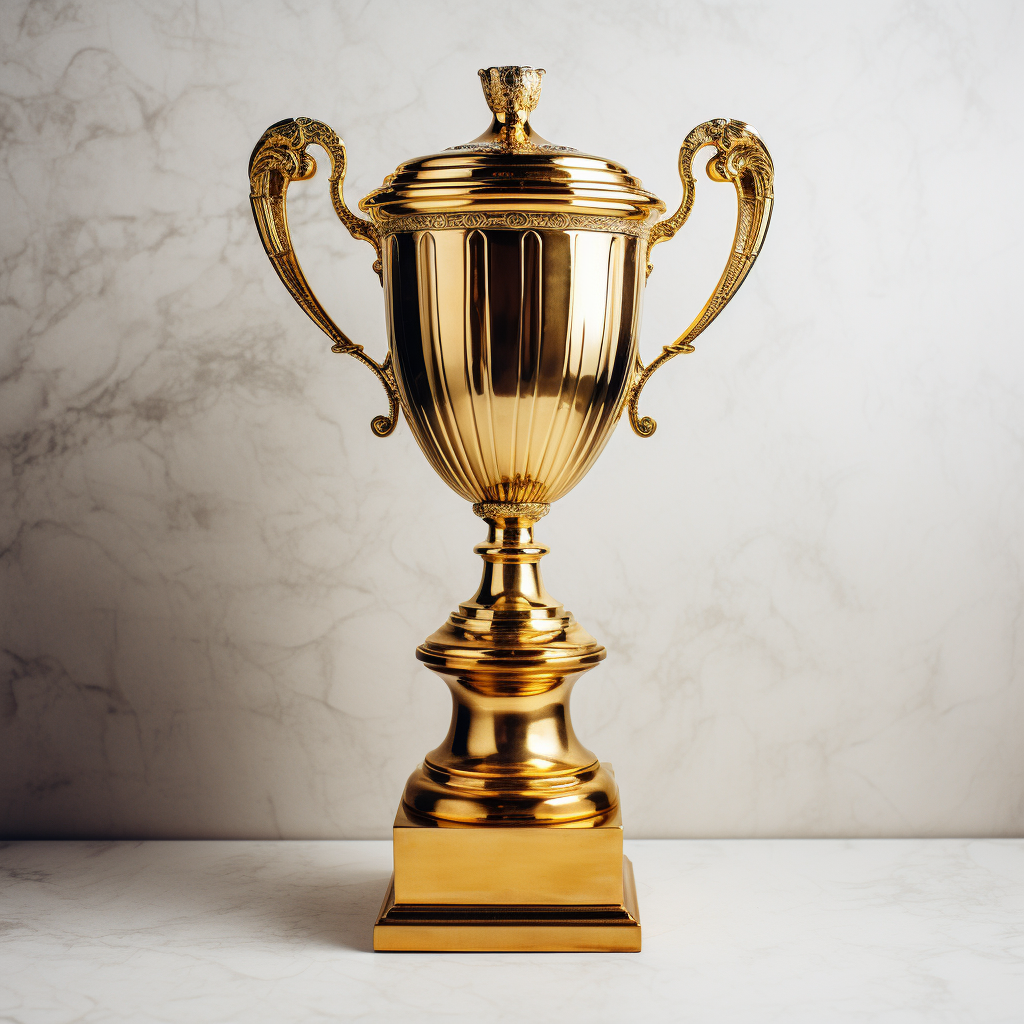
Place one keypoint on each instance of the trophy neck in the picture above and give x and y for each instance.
(511, 619)
(511, 597)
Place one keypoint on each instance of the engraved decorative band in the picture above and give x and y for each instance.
(514, 220)
(512, 509)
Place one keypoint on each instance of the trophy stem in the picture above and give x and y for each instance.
(510, 656)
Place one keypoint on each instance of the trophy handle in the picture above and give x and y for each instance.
(743, 160)
(279, 158)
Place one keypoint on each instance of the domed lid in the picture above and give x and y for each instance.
(510, 168)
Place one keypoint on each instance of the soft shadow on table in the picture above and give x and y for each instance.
(338, 909)
(277, 894)
(331, 906)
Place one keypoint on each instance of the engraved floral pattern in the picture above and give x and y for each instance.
(514, 220)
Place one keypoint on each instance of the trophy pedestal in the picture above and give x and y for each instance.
(509, 836)
(531, 888)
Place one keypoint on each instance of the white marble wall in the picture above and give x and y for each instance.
(810, 581)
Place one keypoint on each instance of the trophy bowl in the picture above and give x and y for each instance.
(513, 271)
(514, 401)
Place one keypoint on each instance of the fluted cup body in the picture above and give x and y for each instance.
(513, 349)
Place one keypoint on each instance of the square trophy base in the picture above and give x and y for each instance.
(533, 888)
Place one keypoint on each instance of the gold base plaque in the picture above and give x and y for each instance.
(560, 887)
(479, 928)
(573, 863)
(555, 889)
(513, 273)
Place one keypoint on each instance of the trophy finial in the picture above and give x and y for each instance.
(512, 93)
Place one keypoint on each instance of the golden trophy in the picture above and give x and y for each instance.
(513, 273)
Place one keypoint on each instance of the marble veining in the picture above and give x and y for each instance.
(213, 577)
(735, 931)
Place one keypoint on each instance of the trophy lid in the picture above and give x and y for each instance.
(511, 168)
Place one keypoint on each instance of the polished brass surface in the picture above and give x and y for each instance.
(543, 928)
(513, 271)
(279, 158)
(740, 158)
(513, 351)
(510, 177)
(577, 862)
(511, 655)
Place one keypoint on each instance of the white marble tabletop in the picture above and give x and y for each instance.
(734, 930)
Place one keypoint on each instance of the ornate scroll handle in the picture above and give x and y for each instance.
(279, 158)
(743, 160)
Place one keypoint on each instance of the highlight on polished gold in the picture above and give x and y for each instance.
(514, 271)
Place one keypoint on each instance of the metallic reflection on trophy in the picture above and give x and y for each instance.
(513, 272)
